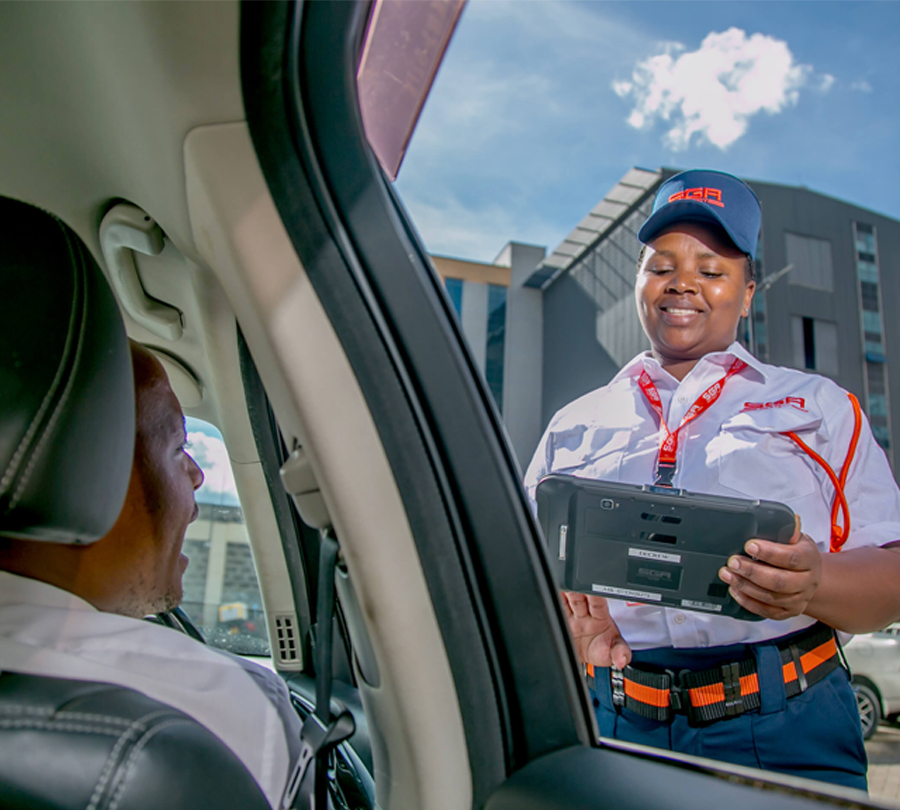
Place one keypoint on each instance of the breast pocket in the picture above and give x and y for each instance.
(597, 455)
(756, 460)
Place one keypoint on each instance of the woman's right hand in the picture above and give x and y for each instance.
(596, 636)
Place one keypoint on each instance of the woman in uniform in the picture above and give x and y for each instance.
(698, 412)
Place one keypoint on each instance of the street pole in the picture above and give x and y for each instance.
(761, 289)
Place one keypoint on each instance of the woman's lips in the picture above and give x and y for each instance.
(679, 316)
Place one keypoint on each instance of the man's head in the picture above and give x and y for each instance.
(137, 567)
(160, 500)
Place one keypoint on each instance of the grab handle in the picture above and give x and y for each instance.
(124, 229)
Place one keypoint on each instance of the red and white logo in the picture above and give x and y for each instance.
(799, 403)
(711, 196)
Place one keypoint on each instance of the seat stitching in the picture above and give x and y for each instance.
(45, 712)
(50, 725)
(139, 724)
(142, 743)
(26, 439)
(102, 718)
(65, 715)
(70, 383)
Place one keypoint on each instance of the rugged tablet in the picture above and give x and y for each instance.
(652, 544)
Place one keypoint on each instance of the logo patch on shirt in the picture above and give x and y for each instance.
(798, 403)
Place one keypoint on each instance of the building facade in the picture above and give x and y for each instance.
(828, 280)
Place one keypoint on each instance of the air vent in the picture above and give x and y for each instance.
(287, 641)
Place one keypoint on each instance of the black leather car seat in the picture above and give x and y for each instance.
(66, 445)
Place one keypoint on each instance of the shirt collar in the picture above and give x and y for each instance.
(15, 589)
(646, 362)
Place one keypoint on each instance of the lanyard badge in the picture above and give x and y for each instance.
(668, 439)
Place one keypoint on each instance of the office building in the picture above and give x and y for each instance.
(828, 277)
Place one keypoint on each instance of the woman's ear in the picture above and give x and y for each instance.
(748, 299)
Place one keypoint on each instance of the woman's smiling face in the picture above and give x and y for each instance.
(692, 289)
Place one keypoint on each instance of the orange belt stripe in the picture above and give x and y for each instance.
(809, 661)
(647, 694)
(715, 693)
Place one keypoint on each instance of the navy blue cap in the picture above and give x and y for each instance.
(707, 196)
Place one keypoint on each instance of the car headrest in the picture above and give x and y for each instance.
(66, 385)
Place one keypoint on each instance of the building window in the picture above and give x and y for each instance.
(221, 589)
(811, 258)
(454, 288)
(496, 342)
(872, 327)
(815, 344)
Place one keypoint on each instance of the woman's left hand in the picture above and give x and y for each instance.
(780, 580)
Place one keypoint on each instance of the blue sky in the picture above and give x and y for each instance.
(206, 446)
(534, 114)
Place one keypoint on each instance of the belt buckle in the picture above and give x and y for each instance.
(731, 680)
(678, 698)
(617, 682)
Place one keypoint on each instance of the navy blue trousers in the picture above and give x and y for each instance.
(816, 734)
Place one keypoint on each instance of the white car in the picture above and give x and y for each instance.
(874, 660)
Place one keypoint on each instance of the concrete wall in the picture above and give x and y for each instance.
(474, 317)
(802, 212)
(574, 361)
(523, 351)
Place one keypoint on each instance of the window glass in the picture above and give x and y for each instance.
(550, 127)
(454, 287)
(868, 270)
(812, 262)
(815, 345)
(221, 590)
(872, 322)
(496, 341)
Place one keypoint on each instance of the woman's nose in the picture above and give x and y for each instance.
(682, 281)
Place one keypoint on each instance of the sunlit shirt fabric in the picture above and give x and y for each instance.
(735, 449)
(48, 631)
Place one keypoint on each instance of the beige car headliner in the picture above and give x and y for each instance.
(96, 99)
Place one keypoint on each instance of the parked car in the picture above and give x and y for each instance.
(874, 660)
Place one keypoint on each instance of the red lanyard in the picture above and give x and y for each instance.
(668, 444)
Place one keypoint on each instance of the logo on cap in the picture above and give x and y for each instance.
(711, 196)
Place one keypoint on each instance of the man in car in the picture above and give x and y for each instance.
(75, 611)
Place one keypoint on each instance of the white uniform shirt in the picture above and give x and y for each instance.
(48, 631)
(734, 449)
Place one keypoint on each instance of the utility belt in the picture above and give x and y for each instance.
(722, 692)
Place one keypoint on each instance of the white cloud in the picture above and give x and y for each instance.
(712, 93)
(825, 82)
(861, 86)
(210, 454)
